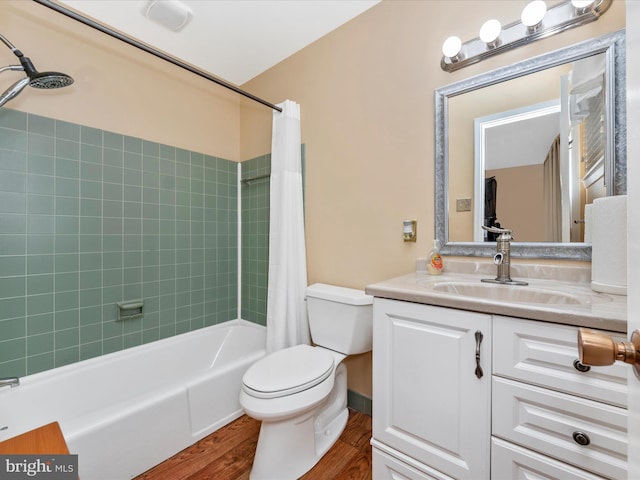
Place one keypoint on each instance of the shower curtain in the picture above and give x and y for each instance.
(552, 194)
(286, 310)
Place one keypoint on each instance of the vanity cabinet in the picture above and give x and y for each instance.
(431, 410)
(534, 413)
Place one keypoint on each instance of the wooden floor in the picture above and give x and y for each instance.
(228, 454)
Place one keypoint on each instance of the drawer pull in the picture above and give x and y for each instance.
(479, 338)
(581, 438)
(581, 367)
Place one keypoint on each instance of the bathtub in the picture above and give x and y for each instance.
(125, 412)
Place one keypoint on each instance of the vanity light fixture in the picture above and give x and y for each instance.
(533, 14)
(451, 48)
(535, 23)
(490, 33)
(582, 5)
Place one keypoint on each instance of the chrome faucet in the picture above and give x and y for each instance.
(502, 258)
(9, 381)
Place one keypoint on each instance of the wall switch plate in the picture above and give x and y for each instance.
(463, 205)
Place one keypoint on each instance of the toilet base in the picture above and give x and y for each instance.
(288, 449)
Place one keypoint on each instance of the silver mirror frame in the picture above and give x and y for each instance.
(613, 45)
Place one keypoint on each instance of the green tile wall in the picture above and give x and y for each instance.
(255, 240)
(89, 218)
(255, 237)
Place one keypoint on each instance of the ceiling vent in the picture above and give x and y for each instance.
(171, 14)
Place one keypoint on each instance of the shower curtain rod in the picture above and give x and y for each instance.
(152, 51)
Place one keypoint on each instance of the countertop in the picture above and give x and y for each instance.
(605, 312)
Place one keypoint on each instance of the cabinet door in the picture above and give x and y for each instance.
(428, 402)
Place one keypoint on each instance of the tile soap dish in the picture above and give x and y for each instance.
(130, 310)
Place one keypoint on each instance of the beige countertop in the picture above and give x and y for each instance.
(593, 310)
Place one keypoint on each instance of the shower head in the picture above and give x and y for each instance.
(50, 80)
(44, 80)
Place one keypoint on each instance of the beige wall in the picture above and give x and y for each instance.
(366, 92)
(117, 87)
(520, 204)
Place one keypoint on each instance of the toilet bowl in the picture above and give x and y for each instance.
(300, 393)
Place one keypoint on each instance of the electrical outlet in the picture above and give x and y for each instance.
(409, 230)
(463, 205)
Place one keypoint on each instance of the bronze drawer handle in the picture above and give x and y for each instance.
(479, 338)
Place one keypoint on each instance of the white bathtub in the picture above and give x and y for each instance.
(124, 412)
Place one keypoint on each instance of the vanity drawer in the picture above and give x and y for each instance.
(544, 353)
(546, 421)
(511, 461)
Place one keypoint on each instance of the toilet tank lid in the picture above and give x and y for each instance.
(350, 296)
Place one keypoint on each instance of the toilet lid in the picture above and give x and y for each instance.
(288, 371)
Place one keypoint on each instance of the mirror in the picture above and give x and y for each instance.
(466, 159)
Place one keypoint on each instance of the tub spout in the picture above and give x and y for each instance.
(9, 381)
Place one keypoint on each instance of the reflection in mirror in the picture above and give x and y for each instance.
(528, 147)
(531, 131)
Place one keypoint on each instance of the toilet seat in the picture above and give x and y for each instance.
(288, 371)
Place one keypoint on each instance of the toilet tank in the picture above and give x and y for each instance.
(340, 318)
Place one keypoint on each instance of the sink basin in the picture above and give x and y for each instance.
(518, 294)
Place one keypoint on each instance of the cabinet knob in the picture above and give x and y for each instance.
(581, 438)
(599, 349)
(581, 367)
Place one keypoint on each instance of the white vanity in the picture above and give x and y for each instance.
(508, 402)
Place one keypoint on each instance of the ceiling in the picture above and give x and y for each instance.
(521, 142)
(233, 39)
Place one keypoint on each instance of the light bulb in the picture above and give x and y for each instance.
(490, 31)
(451, 47)
(582, 4)
(533, 13)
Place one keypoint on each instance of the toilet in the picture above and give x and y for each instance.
(300, 393)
